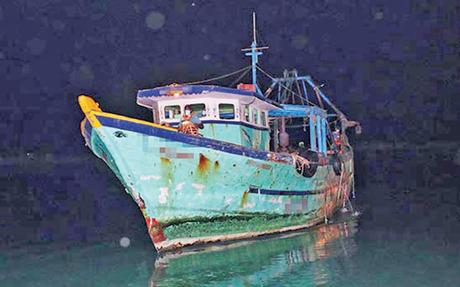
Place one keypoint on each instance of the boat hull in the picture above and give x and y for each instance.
(177, 178)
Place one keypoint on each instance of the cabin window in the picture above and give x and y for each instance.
(246, 113)
(227, 111)
(263, 119)
(172, 112)
(255, 115)
(196, 109)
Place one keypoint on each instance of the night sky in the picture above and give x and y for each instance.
(394, 66)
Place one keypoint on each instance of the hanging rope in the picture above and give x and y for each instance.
(217, 78)
(240, 77)
(286, 87)
(300, 163)
(316, 89)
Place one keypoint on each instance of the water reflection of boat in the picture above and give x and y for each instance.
(253, 262)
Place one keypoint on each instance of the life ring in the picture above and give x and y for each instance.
(308, 169)
(336, 163)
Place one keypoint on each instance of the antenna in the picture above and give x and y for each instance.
(254, 52)
(254, 27)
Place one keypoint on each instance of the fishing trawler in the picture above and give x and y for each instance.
(228, 163)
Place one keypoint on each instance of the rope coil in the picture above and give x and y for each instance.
(302, 165)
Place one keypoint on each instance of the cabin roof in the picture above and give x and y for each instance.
(296, 111)
(148, 97)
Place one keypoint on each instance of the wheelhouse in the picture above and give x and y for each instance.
(237, 116)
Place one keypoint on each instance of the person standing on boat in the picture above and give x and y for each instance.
(190, 122)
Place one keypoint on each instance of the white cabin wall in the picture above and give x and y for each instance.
(222, 130)
(155, 113)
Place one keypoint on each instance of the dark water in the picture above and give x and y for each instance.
(407, 235)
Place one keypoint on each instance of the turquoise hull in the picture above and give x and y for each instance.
(178, 178)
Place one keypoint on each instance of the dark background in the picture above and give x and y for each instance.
(391, 65)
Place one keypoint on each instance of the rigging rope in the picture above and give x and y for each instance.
(303, 162)
(217, 78)
(300, 97)
(286, 88)
(240, 77)
(244, 71)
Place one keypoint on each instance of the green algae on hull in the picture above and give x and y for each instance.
(233, 225)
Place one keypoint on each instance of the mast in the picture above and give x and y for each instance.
(254, 52)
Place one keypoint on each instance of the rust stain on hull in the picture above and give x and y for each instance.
(166, 169)
(244, 199)
(203, 164)
(165, 160)
(259, 165)
(334, 194)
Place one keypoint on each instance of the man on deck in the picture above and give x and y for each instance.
(190, 122)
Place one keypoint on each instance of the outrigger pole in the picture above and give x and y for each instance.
(255, 52)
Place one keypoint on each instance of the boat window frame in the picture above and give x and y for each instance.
(181, 111)
(246, 113)
(210, 109)
(198, 103)
(254, 116)
(226, 103)
(263, 118)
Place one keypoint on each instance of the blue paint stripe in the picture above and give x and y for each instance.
(284, 192)
(227, 122)
(191, 89)
(235, 123)
(297, 111)
(180, 137)
(88, 130)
